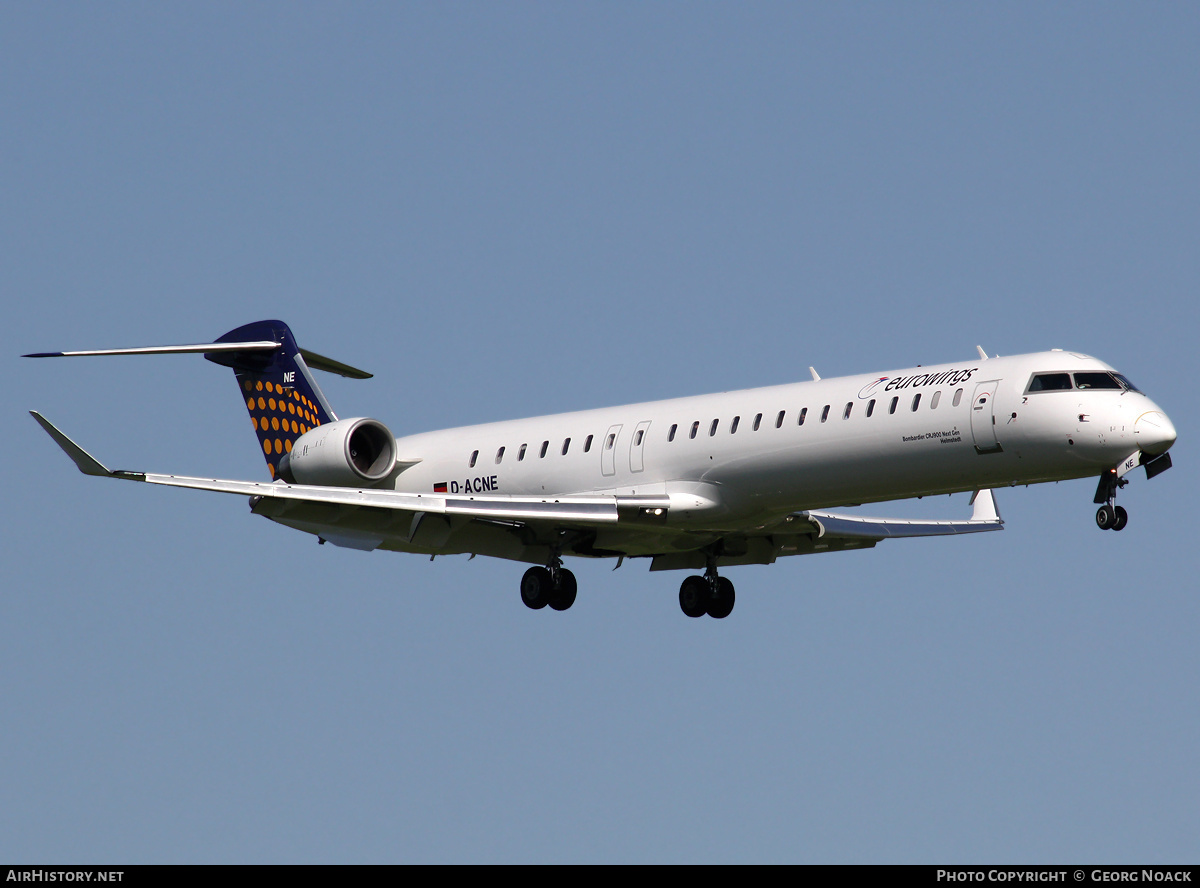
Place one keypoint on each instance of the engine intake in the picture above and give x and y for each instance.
(345, 453)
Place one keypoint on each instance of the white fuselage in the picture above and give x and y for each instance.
(936, 429)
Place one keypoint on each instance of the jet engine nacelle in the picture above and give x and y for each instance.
(347, 453)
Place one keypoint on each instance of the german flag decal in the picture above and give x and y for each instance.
(439, 487)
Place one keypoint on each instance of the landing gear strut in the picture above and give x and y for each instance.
(709, 594)
(1110, 516)
(552, 585)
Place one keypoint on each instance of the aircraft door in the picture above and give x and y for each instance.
(608, 451)
(983, 417)
(637, 445)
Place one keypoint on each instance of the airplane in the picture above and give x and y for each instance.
(700, 483)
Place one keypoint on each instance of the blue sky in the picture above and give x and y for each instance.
(508, 210)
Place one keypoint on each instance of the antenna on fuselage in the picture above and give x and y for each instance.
(982, 353)
(816, 376)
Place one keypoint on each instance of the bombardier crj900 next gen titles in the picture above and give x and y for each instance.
(696, 483)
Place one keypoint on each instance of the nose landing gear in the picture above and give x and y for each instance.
(1110, 516)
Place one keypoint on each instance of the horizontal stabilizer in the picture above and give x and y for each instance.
(202, 348)
(329, 365)
(311, 358)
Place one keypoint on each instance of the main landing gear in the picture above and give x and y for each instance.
(552, 585)
(709, 594)
(1110, 516)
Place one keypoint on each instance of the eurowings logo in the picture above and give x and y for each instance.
(866, 390)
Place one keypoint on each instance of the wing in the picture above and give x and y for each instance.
(565, 510)
(524, 527)
(984, 516)
(811, 532)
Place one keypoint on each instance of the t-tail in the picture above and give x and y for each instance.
(274, 378)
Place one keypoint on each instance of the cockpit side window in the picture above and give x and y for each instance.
(1050, 382)
(1096, 381)
(1124, 380)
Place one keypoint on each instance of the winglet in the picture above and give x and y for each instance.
(87, 463)
(985, 507)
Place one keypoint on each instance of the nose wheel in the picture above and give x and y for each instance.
(1110, 516)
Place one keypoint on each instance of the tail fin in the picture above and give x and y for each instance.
(277, 386)
(274, 378)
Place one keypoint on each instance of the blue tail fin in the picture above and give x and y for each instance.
(277, 387)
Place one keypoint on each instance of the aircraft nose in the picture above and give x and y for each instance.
(1153, 432)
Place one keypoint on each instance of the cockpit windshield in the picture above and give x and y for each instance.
(1050, 382)
(1095, 379)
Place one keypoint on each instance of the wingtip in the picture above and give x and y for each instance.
(83, 460)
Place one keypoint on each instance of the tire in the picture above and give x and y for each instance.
(693, 596)
(1106, 517)
(1121, 520)
(721, 606)
(563, 596)
(536, 588)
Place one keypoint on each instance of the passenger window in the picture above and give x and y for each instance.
(712, 429)
(957, 397)
(612, 439)
(757, 421)
(545, 446)
(803, 413)
(671, 434)
(1096, 381)
(587, 445)
(846, 412)
(937, 396)
(733, 425)
(521, 452)
(1050, 382)
(474, 456)
(566, 445)
(695, 428)
(916, 402)
(825, 413)
(895, 401)
(870, 406)
(638, 440)
(499, 455)
(779, 419)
